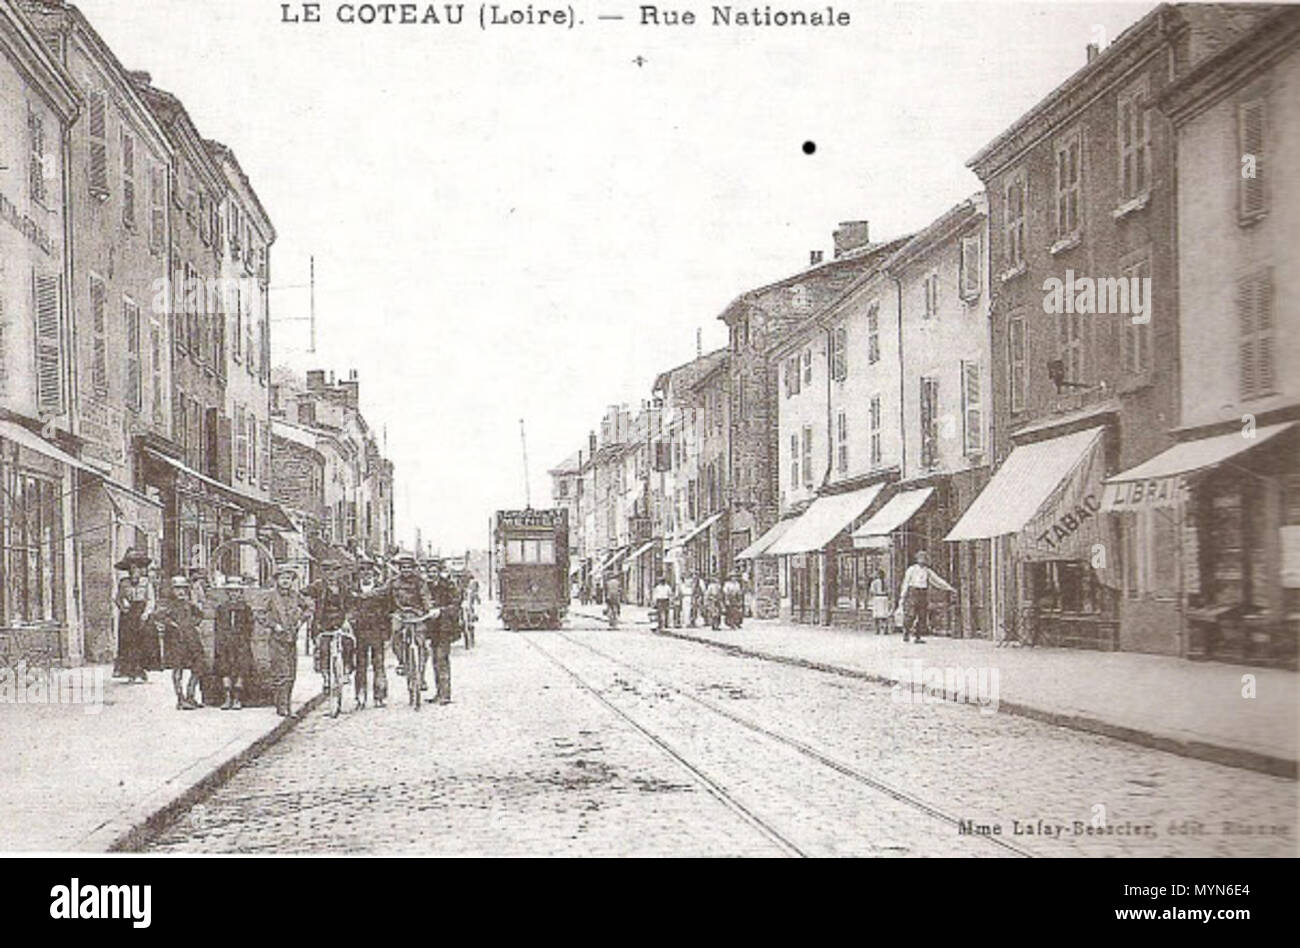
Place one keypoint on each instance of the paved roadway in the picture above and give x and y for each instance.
(598, 742)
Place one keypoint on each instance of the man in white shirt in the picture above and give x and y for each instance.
(915, 594)
(662, 596)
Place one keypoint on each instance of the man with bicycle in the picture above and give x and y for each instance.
(372, 629)
(408, 593)
(445, 629)
(335, 605)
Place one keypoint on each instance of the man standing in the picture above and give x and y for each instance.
(285, 611)
(446, 629)
(915, 595)
(663, 601)
(613, 599)
(234, 645)
(178, 620)
(373, 628)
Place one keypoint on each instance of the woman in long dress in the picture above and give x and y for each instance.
(135, 601)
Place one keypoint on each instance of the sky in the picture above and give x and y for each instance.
(524, 223)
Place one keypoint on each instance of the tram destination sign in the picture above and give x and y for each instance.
(529, 518)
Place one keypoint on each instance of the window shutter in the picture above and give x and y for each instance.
(1246, 314)
(99, 370)
(970, 267)
(972, 410)
(4, 350)
(49, 351)
(1250, 124)
(131, 316)
(223, 449)
(1263, 308)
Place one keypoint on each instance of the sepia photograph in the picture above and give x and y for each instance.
(618, 430)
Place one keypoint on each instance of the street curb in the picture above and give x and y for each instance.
(1198, 750)
(150, 827)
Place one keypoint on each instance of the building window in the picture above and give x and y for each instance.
(1255, 343)
(1014, 198)
(1137, 335)
(842, 430)
(1017, 362)
(1252, 199)
(97, 122)
(241, 441)
(1134, 143)
(792, 376)
(807, 366)
(1069, 328)
(1069, 184)
(180, 425)
(807, 455)
(929, 422)
(36, 166)
(873, 334)
(794, 462)
(972, 408)
(157, 212)
(839, 354)
(932, 295)
(970, 267)
(128, 181)
(131, 320)
(32, 537)
(876, 453)
(252, 448)
(205, 218)
(99, 365)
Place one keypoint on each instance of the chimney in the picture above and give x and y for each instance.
(140, 77)
(591, 444)
(815, 257)
(1093, 51)
(316, 380)
(849, 236)
(699, 343)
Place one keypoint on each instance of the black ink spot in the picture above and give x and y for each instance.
(809, 147)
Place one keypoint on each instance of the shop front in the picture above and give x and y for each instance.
(641, 570)
(765, 570)
(1056, 579)
(1229, 504)
(884, 546)
(824, 570)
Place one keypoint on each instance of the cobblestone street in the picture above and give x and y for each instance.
(598, 742)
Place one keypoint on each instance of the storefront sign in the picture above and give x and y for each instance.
(1145, 495)
(25, 225)
(528, 518)
(101, 427)
(1069, 522)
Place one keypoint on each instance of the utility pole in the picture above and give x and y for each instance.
(528, 494)
(312, 349)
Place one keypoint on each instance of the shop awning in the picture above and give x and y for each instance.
(575, 567)
(1022, 486)
(823, 521)
(699, 528)
(268, 511)
(1159, 482)
(12, 431)
(611, 559)
(759, 547)
(640, 552)
(897, 511)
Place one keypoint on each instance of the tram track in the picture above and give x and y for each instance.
(908, 800)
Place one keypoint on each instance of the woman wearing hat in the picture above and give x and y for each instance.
(137, 643)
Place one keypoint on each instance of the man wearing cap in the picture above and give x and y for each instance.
(446, 628)
(233, 658)
(177, 618)
(373, 629)
(409, 592)
(285, 611)
(334, 605)
(915, 596)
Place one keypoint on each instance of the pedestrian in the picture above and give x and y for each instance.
(662, 597)
(733, 600)
(713, 603)
(136, 601)
(373, 628)
(285, 612)
(446, 630)
(915, 595)
(233, 660)
(686, 600)
(679, 594)
(177, 619)
(880, 610)
(697, 599)
(613, 599)
(408, 593)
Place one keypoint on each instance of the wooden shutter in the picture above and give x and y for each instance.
(972, 410)
(1262, 285)
(970, 267)
(223, 449)
(1250, 130)
(1246, 338)
(49, 349)
(98, 148)
(131, 317)
(99, 369)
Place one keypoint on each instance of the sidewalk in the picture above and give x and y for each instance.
(94, 782)
(1194, 709)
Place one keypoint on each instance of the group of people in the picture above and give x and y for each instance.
(697, 598)
(164, 633)
(913, 611)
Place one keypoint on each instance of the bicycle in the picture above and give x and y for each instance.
(333, 666)
(415, 651)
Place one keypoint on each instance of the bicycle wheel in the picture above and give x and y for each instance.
(336, 674)
(414, 670)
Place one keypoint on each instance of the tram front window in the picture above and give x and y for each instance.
(531, 552)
